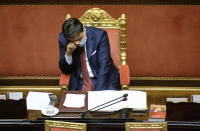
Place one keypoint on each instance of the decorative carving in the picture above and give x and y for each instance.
(67, 125)
(99, 18)
(167, 78)
(162, 126)
(29, 77)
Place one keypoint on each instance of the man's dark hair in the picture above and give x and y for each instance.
(72, 27)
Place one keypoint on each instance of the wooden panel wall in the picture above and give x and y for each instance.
(161, 40)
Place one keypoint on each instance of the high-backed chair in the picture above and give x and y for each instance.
(64, 126)
(148, 126)
(116, 29)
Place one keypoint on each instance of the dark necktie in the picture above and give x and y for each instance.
(87, 82)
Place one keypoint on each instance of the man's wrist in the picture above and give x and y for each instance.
(68, 54)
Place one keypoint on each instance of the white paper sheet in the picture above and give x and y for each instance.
(136, 100)
(15, 95)
(37, 100)
(74, 100)
(176, 100)
(196, 98)
(2, 97)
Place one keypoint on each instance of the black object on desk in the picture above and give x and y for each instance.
(13, 109)
(53, 97)
(183, 111)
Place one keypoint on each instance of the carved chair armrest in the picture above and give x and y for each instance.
(124, 75)
(64, 79)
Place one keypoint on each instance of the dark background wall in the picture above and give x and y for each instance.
(162, 40)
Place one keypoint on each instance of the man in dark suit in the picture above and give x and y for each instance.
(94, 41)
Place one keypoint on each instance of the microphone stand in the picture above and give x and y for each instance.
(125, 95)
(124, 99)
(109, 113)
(83, 115)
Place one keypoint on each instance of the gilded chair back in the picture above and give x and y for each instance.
(116, 29)
(148, 126)
(64, 126)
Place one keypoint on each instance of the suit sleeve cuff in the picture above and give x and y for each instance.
(68, 59)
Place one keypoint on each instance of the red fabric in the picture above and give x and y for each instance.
(124, 74)
(62, 129)
(114, 39)
(87, 82)
(30, 48)
(64, 79)
(113, 35)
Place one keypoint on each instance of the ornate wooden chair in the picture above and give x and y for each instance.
(149, 126)
(116, 29)
(64, 126)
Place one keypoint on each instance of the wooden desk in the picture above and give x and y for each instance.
(92, 124)
(35, 122)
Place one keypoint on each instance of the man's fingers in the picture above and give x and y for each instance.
(71, 47)
(74, 46)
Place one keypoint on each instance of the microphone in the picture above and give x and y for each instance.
(125, 95)
(97, 107)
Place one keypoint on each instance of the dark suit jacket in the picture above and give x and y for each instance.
(99, 57)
